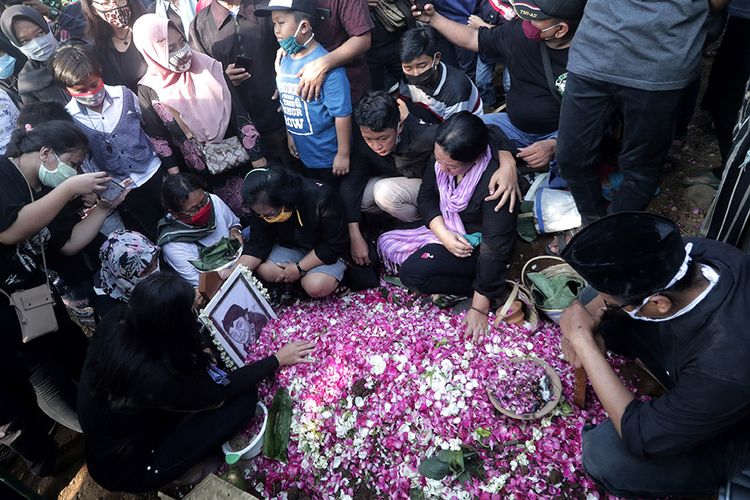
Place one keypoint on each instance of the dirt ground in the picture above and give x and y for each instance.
(699, 153)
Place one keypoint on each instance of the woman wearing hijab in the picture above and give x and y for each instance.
(110, 24)
(27, 30)
(186, 102)
(127, 258)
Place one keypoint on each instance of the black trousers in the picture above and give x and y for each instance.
(193, 439)
(586, 110)
(37, 381)
(142, 209)
(726, 84)
(701, 471)
(433, 269)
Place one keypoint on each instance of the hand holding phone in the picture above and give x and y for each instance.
(244, 62)
(112, 192)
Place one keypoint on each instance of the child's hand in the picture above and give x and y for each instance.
(341, 164)
(292, 148)
(236, 75)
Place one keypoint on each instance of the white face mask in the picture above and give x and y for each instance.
(40, 48)
(180, 60)
(708, 273)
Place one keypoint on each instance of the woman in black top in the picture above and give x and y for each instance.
(466, 244)
(299, 231)
(110, 25)
(28, 31)
(148, 406)
(51, 363)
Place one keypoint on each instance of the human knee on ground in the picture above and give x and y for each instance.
(319, 285)
(269, 272)
(397, 199)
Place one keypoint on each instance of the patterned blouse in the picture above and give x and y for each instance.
(177, 150)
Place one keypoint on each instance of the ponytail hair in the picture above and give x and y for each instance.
(60, 136)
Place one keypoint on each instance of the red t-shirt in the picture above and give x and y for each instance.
(347, 18)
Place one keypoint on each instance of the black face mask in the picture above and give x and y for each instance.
(425, 79)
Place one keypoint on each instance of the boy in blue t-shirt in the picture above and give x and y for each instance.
(319, 130)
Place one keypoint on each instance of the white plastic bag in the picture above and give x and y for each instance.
(555, 211)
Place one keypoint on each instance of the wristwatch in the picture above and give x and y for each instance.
(302, 272)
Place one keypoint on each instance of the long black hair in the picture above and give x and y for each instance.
(60, 136)
(99, 30)
(463, 136)
(274, 186)
(157, 331)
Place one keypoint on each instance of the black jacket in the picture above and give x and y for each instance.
(498, 228)
(317, 224)
(705, 355)
(408, 159)
(120, 433)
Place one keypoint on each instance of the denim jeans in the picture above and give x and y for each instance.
(522, 139)
(485, 83)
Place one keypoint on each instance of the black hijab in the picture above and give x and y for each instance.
(35, 80)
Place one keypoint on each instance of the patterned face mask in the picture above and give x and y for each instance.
(180, 60)
(119, 17)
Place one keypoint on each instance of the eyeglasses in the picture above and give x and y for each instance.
(196, 209)
(614, 307)
(107, 5)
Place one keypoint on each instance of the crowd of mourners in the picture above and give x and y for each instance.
(335, 140)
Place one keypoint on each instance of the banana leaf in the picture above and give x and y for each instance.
(278, 428)
(217, 255)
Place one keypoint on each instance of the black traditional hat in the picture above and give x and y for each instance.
(628, 254)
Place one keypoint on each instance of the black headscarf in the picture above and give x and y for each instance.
(35, 80)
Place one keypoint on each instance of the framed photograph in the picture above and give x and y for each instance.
(236, 315)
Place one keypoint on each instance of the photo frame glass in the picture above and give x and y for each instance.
(237, 314)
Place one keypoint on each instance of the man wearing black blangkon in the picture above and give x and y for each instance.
(680, 307)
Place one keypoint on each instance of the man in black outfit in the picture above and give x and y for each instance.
(686, 304)
(534, 47)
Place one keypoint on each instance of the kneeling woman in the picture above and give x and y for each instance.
(150, 411)
(194, 219)
(443, 258)
(299, 232)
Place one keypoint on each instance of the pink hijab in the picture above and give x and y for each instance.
(200, 94)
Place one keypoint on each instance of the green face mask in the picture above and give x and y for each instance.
(53, 178)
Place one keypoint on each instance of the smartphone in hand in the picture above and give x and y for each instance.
(244, 62)
(114, 189)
